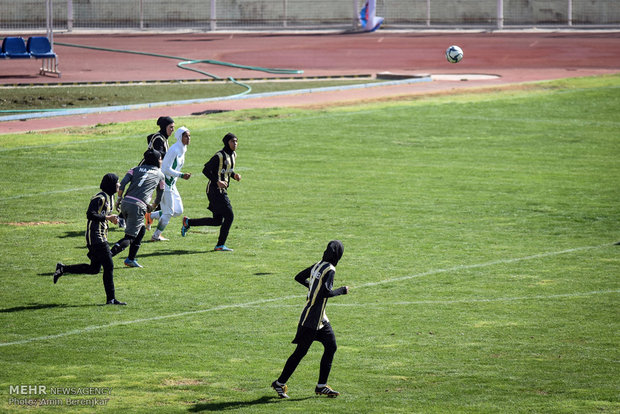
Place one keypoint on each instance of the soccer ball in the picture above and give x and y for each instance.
(454, 54)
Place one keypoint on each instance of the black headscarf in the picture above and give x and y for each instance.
(163, 122)
(108, 184)
(152, 157)
(333, 252)
(225, 140)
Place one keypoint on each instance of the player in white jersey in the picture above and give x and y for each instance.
(171, 203)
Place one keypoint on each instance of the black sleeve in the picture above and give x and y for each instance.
(94, 208)
(210, 169)
(304, 276)
(328, 285)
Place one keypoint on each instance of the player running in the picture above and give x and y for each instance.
(313, 323)
(171, 203)
(219, 170)
(142, 180)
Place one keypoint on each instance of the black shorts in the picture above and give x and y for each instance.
(219, 203)
(309, 335)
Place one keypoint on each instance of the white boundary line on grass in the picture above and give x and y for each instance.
(457, 301)
(475, 266)
(259, 302)
(154, 318)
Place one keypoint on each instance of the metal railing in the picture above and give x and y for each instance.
(212, 15)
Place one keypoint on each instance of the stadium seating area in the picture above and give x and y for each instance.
(37, 47)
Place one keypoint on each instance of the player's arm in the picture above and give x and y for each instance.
(303, 277)
(121, 189)
(211, 171)
(159, 191)
(235, 176)
(166, 165)
(328, 285)
(95, 209)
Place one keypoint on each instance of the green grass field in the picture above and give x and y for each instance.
(479, 234)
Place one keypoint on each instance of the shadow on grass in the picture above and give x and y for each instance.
(37, 306)
(231, 405)
(69, 234)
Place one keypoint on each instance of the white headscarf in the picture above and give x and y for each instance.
(179, 133)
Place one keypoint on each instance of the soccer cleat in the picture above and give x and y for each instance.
(60, 270)
(326, 390)
(115, 302)
(280, 389)
(222, 248)
(185, 226)
(148, 220)
(132, 263)
(158, 238)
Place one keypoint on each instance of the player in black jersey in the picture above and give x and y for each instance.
(219, 170)
(98, 215)
(159, 140)
(313, 323)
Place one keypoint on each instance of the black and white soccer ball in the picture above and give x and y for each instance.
(454, 54)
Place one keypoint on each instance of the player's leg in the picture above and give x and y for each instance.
(134, 232)
(129, 211)
(303, 339)
(326, 337)
(225, 210)
(167, 212)
(133, 249)
(104, 257)
(91, 268)
(216, 220)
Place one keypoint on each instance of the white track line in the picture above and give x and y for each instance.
(259, 302)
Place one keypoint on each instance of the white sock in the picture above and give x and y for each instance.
(156, 233)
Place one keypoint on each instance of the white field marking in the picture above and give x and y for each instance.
(47, 193)
(458, 301)
(263, 301)
(478, 265)
(154, 318)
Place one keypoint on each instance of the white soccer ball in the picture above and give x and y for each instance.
(454, 54)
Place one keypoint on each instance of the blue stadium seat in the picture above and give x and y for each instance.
(40, 47)
(15, 48)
